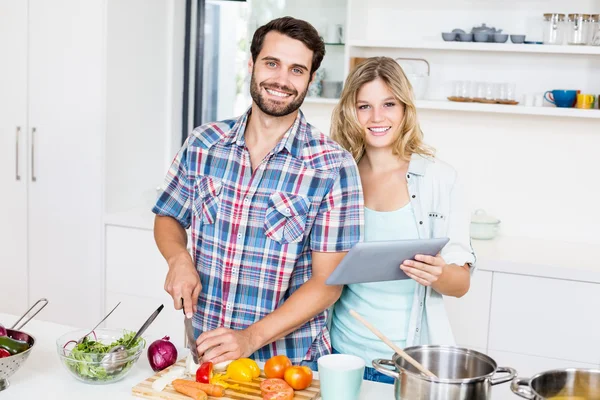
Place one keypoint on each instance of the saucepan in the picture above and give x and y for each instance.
(461, 374)
(560, 384)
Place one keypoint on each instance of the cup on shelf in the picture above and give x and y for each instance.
(585, 101)
(538, 99)
(561, 98)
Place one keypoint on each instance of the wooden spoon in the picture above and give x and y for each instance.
(397, 349)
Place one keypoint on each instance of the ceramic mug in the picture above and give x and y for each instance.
(585, 101)
(561, 98)
(340, 376)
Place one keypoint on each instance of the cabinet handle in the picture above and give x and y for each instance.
(17, 175)
(33, 178)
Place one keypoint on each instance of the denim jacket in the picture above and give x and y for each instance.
(441, 211)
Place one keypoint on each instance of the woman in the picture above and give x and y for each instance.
(409, 194)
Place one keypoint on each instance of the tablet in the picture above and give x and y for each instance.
(380, 261)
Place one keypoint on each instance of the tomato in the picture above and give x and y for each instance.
(275, 366)
(4, 353)
(279, 396)
(250, 363)
(204, 372)
(298, 377)
(239, 371)
(275, 385)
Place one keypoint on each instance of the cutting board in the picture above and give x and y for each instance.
(246, 391)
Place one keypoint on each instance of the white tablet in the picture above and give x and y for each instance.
(380, 261)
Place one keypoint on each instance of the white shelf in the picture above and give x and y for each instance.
(320, 100)
(506, 109)
(487, 47)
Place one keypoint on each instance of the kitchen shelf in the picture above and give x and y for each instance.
(484, 47)
(506, 109)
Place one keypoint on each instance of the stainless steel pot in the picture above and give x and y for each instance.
(462, 374)
(568, 383)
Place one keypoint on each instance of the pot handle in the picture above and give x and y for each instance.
(511, 374)
(520, 386)
(378, 365)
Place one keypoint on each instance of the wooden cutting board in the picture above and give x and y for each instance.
(246, 391)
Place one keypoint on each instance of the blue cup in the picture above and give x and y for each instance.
(561, 98)
(341, 376)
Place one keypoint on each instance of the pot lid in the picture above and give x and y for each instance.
(480, 216)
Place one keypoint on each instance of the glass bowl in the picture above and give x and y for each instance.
(88, 366)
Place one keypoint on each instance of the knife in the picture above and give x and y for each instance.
(189, 335)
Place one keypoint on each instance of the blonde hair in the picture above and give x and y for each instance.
(350, 134)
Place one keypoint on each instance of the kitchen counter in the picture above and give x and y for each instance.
(43, 376)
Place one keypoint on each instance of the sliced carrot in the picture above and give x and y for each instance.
(190, 391)
(209, 389)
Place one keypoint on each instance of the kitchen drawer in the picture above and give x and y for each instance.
(527, 366)
(545, 317)
(134, 265)
(134, 310)
(469, 315)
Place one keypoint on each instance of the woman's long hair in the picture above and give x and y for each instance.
(350, 134)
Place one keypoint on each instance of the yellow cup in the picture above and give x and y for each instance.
(585, 101)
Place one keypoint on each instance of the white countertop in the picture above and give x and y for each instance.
(537, 257)
(42, 376)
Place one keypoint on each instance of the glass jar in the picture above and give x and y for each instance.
(554, 28)
(576, 32)
(594, 34)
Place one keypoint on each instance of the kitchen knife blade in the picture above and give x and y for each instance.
(189, 335)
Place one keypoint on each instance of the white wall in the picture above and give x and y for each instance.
(537, 174)
(142, 62)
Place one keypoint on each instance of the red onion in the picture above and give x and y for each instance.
(3, 330)
(162, 354)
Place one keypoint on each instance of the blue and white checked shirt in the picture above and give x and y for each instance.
(253, 233)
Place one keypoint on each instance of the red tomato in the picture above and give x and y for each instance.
(298, 377)
(275, 385)
(4, 353)
(275, 366)
(279, 396)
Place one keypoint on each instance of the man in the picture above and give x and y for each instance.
(273, 207)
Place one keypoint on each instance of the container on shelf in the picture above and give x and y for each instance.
(594, 30)
(577, 29)
(554, 28)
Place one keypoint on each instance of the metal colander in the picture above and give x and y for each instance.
(10, 365)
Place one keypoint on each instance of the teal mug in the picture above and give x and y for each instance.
(340, 376)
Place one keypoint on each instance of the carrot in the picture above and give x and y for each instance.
(209, 389)
(190, 391)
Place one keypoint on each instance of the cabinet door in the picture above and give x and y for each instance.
(13, 161)
(544, 317)
(66, 110)
(470, 315)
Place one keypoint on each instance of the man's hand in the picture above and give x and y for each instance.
(425, 269)
(183, 282)
(224, 344)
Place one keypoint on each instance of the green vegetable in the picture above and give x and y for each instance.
(85, 359)
(13, 346)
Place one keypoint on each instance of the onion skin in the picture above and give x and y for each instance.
(3, 331)
(161, 354)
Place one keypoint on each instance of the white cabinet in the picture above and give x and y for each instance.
(135, 275)
(469, 315)
(52, 89)
(544, 317)
(13, 155)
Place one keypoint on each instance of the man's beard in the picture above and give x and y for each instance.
(273, 109)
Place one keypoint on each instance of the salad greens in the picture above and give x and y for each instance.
(85, 359)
